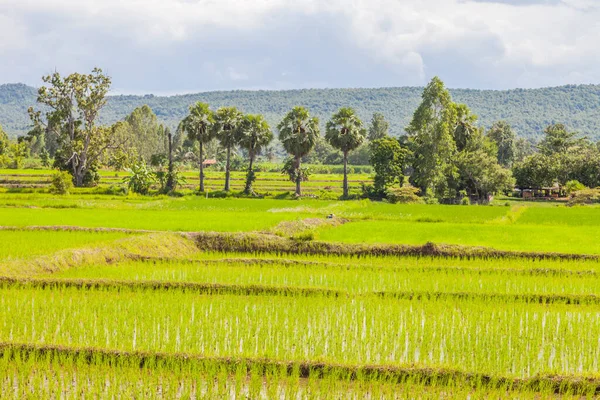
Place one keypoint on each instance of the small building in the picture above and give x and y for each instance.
(208, 163)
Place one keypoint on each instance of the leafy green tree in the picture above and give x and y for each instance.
(345, 132)
(523, 148)
(379, 127)
(4, 143)
(73, 104)
(535, 171)
(557, 140)
(45, 157)
(227, 123)
(481, 175)
(431, 140)
(503, 136)
(323, 153)
(199, 127)
(388, 159)
(254, 135)
(147, 134)
(18, 152)
(298, 133)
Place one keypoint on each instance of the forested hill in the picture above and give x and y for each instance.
(529, 111)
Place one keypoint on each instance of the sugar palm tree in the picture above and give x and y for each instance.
(345, 132)
(298, 133)
(253, 135)
(227, 123)
(198, 126)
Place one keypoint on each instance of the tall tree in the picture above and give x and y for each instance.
(379, 127)
(431, 138)
(198, 126)
(502, 134)
(345, 132)
(388, 158)
(147, 134)
(254, 134)
(557, 140)
(298, 133)
(73, 104)
(4, 143)
(227, 123)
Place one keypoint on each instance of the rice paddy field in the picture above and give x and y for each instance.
(107, 296)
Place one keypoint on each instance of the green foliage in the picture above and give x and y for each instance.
(4, 143)
(379, 127)
(298, 133)
(227, 123)
(18, 152)
(431, 140)
(388, 159)
(585, 196)
(61, 182)
(45, 157)
(345, 132)
(294, 173)
(503, 136)
(535, 171)
(145, 135)
(404, 195)
(253, 135)
(199, 128)
(557, 140)
(573, 186)
(140, 178)
(72, 107)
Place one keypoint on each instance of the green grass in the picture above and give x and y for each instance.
(28, 244)
(528, 238)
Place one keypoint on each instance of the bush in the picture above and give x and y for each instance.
(585, 196)
(465, 201)
(573, 186)
(61, 183)
(140, 179)
(404, 195)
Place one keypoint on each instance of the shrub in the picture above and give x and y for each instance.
(404, 195)
(61, 182)
(573, 186)
(140, 179)
(465, 201)
(585, 196)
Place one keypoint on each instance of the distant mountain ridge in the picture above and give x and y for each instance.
(529, 111)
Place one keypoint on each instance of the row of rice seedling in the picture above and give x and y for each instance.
(518, 340)
(482, 265)
(357, 279)
(30, 243)
(64, 376)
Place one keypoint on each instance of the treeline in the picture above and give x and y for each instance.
(445, 156)
(528, 111)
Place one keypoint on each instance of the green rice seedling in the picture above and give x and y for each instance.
(519, 340)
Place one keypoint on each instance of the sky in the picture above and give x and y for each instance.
(183, 46)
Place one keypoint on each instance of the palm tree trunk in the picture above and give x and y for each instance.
(298, 177)
(248, 189)
(227, 174)
(345, 174)
(201, 162)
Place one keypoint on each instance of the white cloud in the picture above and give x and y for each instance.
(502, 43)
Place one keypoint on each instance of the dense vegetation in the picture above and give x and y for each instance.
(529, 111)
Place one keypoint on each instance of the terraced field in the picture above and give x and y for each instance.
(114, 297)
(269, 183)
